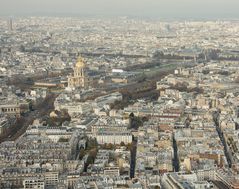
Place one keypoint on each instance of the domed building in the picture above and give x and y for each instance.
(80, 78)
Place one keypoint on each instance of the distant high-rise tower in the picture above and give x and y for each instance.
(10, 28)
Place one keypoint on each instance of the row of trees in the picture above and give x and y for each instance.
(183, 87)
(161, 55)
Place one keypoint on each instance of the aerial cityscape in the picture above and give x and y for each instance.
(117, 102)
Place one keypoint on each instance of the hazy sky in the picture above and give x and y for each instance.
(170, 9)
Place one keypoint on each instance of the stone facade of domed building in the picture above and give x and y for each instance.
(80, 78)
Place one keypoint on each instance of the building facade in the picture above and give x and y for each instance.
(80, 78)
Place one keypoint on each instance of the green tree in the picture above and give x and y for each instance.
(92, 156)
(81, 153)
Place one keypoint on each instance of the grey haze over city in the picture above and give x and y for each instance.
(168, 9)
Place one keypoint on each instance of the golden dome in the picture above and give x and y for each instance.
(80, 63)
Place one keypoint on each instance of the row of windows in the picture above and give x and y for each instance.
(10, 109)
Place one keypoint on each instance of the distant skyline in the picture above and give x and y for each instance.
(165, 9)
